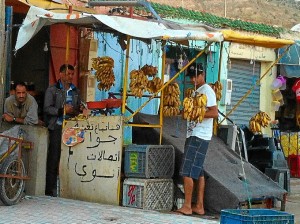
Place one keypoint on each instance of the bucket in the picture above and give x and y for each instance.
(275, 105)
(283, 81)
(281, 101)
(276, 94)
(279, 83)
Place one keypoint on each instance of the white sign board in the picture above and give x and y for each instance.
(91, 169)
(243, 51)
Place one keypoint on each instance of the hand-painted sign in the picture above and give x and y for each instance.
(91, 170)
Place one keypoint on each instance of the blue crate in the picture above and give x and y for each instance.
(257, 216)
(149, 161)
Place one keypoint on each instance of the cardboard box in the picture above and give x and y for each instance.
(87, 86)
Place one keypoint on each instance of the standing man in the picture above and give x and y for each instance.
(21, 108)
(62, 101)
(196, 145)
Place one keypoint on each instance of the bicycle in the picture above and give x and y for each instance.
(12, 169)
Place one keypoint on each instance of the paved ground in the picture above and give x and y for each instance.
(58, 210)
(43, 209)
(293, 199)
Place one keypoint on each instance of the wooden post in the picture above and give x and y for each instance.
(2, 55)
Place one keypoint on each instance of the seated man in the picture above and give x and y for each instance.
(21, 108)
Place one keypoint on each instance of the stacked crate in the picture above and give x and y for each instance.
(149, 170)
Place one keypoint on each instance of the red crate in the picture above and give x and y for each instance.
(294, 165)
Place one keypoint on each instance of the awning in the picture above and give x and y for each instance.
(290, 62)
(144, 29)
(22, 6)
(37, 18)
(262, 41)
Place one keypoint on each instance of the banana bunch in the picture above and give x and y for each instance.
(104, 72)
(290, 143)
(99, 62)
(149, 70)
(138, 83)
(254, 126)
(169, 111)
(79, 117)
(259, 120)
(188, 106)
(171, 100)
(189, 92)
(154, 85)
(217, 87)
(194, 108)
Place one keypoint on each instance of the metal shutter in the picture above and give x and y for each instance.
(243, 75)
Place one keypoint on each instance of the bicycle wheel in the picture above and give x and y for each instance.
(11, 189)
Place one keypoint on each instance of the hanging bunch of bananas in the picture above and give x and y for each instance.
(149, 70)
(104, 72)
(217, 87)
(154, 85)
(189, 92)
(138, 83)
(194, 107)
(259, 120)
(171, 100)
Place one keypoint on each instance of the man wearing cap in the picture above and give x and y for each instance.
(196, 145)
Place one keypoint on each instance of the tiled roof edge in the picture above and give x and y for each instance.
(167, 11)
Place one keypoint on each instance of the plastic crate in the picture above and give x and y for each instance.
(149, 194)
(257, 216)
(281, 176)
(149, 161)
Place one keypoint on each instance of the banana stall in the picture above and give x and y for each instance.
(91, 163)
(92, 145)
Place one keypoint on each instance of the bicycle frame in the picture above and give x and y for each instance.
(18, 144)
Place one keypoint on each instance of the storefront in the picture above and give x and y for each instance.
(288, 113)
(244, 73)
(106, 133)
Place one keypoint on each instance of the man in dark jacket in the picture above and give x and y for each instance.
(62, 101)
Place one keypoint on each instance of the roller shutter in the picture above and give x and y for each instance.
(243, 75)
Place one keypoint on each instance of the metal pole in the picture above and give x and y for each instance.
(126, 3)
(125, 78)
(161, 120)
(9, 25)
(114, 3)
(225, 8)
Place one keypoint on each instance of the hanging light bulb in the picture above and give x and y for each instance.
(46, 47)
(180, 62)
